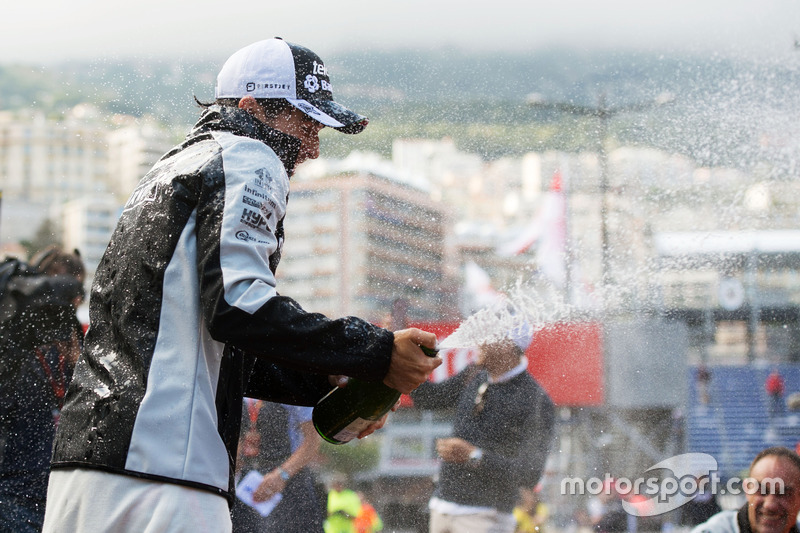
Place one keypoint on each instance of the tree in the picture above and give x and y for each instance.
(45, 236)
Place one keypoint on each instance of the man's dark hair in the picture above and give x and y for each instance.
(53, 261)
(777, 451)
(272, 106)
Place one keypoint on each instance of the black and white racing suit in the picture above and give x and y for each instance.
(185, 317)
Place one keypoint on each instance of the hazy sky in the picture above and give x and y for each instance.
(53, 30)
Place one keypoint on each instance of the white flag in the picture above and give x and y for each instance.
(548, 232)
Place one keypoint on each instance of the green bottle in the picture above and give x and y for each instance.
(345, 412)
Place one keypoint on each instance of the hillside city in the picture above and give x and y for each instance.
(676, 259)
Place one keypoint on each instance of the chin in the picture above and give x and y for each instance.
(771, 526)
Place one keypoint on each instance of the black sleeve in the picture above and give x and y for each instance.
(273, 383)
(282, 332)
(445, 394)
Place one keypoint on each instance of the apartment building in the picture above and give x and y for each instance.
(356, 241)
(87, 224)
(52, 169)
(133, 148)
(44, 163)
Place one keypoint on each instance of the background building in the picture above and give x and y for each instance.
(44, 163)
(72, 176)
(357, 241)
(87, 224)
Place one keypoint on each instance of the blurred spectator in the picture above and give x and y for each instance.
(773, 503)
(531, 513)
(606, 512)
(279, 441)
(344, 506)
(699, 509)
(793, 401)
(502, 432)
(703, 380)
(775, 387)
(40, 339)
(397, 317)
(368, 520)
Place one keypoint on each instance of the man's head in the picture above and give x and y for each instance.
(53, 261)
(338, 481)
(501, 355)
(770, 510)
(287, 87)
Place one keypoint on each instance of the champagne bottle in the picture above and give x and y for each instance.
(343, 413)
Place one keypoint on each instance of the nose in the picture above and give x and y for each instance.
(771, 502)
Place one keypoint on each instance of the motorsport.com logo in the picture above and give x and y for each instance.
(690, 475)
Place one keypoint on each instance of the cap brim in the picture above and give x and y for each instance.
(331, 114)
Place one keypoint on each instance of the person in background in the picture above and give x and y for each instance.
(703, 380)
(502, 431)
(40, 337)
(773, 500)
(344, 506)
(699, 509)
(368, 519)
(187, 320)
(280, 442)
(775, 386)
(531, 513)
(605, 510)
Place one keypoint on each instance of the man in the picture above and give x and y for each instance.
(40, 338)
(343, 506)
(531, 513)
(279, 441)
(773, 497)
(502, 430)
(186, 318)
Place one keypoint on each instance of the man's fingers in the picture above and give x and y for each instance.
(375, 426)
(423, 338)
(410, 367)
(338, 380)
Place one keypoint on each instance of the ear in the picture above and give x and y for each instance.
(249, 104)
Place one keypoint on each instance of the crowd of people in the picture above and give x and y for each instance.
(186, 405)
(40, 340)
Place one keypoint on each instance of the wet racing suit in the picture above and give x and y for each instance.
(185, 317)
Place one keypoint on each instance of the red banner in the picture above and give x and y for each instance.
(566, 359)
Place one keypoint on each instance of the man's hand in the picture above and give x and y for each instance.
(410, 367)
(269, 487)
(454, 450)
(375, 426)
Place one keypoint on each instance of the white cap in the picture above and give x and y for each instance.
(522, 335)
(274, 68)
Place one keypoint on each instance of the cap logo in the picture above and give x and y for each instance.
(311, 83)
(307, 109)
(251, 87)
(320, 69)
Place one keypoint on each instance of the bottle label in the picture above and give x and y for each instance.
(352, 430)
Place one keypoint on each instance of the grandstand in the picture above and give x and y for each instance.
(736, 424)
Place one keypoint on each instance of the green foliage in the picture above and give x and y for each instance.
(477, 99)
(45, 236)
(353, 457)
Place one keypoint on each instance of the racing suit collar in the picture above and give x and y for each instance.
(240, 122)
